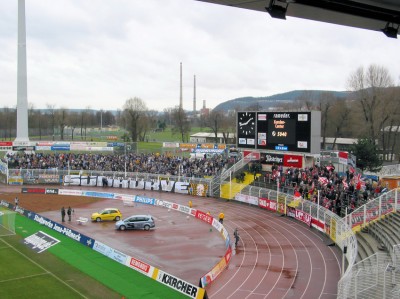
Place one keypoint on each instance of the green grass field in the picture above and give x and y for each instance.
(68, 270)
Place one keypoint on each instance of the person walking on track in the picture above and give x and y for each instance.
(236, 235)
(221, 217)
(62, 214)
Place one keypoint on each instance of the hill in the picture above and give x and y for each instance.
(265, 103)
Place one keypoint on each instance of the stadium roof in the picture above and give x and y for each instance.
(377, 15)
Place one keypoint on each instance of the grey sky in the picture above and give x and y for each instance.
(99, 53)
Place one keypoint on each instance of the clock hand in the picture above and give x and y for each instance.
(245, 123)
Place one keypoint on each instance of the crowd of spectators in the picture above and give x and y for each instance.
(321, 185)
(338, 193)
(166, 164)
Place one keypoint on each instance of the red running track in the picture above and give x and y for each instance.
(277, 257)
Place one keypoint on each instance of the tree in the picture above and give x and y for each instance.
(338, 123)
(8, 120)
(214, 121)
(73, 122)
(52, 112)
(228, 126)
(305, 101)
(134, 111)
(181, 124)
(61, 119)
(325, 104)
(367, 155)
(369, 87)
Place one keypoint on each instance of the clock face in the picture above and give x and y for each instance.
(246, 123)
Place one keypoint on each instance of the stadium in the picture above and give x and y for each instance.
(228, 230)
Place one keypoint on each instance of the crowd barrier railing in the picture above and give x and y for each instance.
(374, 210)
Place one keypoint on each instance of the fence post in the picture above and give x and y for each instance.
(365, 215)
(355, 284)
(384, 282)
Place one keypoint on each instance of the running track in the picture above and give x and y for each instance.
(277, 257)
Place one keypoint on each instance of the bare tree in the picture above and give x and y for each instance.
(369, 87)
(339, 120)
(8, 119)
(389, 123)
(214, 121)
(228, 126)
(305, 101)
(61, 120)
(326, 101)
(134, 111)
(52, 113)
(181, 124)
(73, 121)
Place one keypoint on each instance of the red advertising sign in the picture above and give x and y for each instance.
(5, 143)
(293, 161)
(203, 216)
(139, 265)
(267, 204)
(303, 217)
(254, 155)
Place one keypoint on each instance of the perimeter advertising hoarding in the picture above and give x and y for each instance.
(280, 131)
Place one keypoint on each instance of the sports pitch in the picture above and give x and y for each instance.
(67, 270)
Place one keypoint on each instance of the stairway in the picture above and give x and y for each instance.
(379, 236)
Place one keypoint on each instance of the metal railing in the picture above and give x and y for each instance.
(334, 226)
(374, 210)
(377, 276)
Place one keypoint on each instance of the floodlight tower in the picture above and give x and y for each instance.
(22, 98)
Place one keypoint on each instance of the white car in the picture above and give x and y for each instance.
(136, 222)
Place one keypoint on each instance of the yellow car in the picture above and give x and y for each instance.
(109, 214)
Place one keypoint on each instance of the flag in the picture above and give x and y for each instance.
(351, 169)
(323, 181)
(330, 168)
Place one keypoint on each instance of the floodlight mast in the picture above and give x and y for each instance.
(22, 94)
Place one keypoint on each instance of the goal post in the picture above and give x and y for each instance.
(7, 223)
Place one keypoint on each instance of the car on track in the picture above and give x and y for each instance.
(108, 214)
(136, 222)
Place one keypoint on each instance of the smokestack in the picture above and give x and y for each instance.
(22, 94)
(194, 95)
(180, 93)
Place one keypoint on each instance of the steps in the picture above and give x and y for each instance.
(379, 236)
(367, 245)
(382, 234)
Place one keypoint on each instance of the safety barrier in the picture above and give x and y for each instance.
(377, 276)
(374, 210)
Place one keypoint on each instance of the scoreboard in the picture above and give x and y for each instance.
(280, 131)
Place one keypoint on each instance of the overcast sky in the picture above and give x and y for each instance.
(99, 53)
